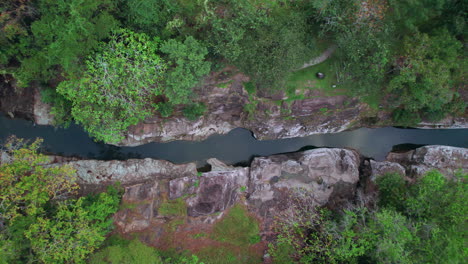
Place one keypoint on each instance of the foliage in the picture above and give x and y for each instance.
(118, 83)
(421, 222)
(424, 74)
(149, 16)
(305, 234)
(364, 43)
(264, 45)
(410, 21)
(38, 224)
(66, 32)
(194, 111)
(13, 28)
(165, 109)
(132, 252)
(61, 107)
(26, 185)
(164, 18)
(176, 207)
(188, 66)
(237, 228)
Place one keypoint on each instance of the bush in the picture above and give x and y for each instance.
(65, 33)
(165, 109)
(194, 111)
(133, 252)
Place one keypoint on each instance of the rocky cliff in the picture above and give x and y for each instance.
(328, 176)
(230, 105)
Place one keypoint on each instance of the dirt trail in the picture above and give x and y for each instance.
(325, 55)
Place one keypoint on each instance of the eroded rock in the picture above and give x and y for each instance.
(319, 171)
(447, 159)
(130, 171)
(217, 191)
(384, 167)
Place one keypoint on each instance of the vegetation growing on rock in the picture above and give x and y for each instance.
(69, 48)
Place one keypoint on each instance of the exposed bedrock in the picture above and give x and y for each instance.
(271, 117)
(328, 176)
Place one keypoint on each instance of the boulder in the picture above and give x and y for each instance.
(129, 171)
(138, 207)
(218, 190)
(379, 168)
(323, 173)
(446, 159)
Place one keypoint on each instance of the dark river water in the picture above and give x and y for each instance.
(237, 147)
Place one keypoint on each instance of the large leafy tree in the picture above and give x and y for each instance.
(65, 32)
(364, 41)
(424, 72)
(40, 219)
(188, 65)
(118, 85)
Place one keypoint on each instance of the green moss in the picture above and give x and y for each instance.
(176, 207)
(250, 88)
(174, 224)
(224, 85)
(199, 235)
(227, 255)
(237, 228)
(133, 252)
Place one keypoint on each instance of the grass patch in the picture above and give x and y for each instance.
(307, 79)
(173, 224)
(200, 235)
(250, 109)
(227, 255)
(237, 228)
(224, 85)
(132, 252)
(176, 207)
(373, 100)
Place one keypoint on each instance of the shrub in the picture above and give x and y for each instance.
(176, 207)
(194, 111)
(133, 252)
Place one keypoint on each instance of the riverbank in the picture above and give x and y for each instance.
(230, 105)
(166, 205)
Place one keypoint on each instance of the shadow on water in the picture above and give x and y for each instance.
(237, 147)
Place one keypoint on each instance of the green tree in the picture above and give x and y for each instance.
(424, 72)
(41, 222)
(117, 88)
(26, 185)
(66, 32)
(364, 41)
(187, 66)
(410, 15)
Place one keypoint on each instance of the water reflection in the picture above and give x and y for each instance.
(237, 147)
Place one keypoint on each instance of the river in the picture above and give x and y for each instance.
(236, 147)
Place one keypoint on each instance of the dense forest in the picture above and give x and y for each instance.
(110, 64)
